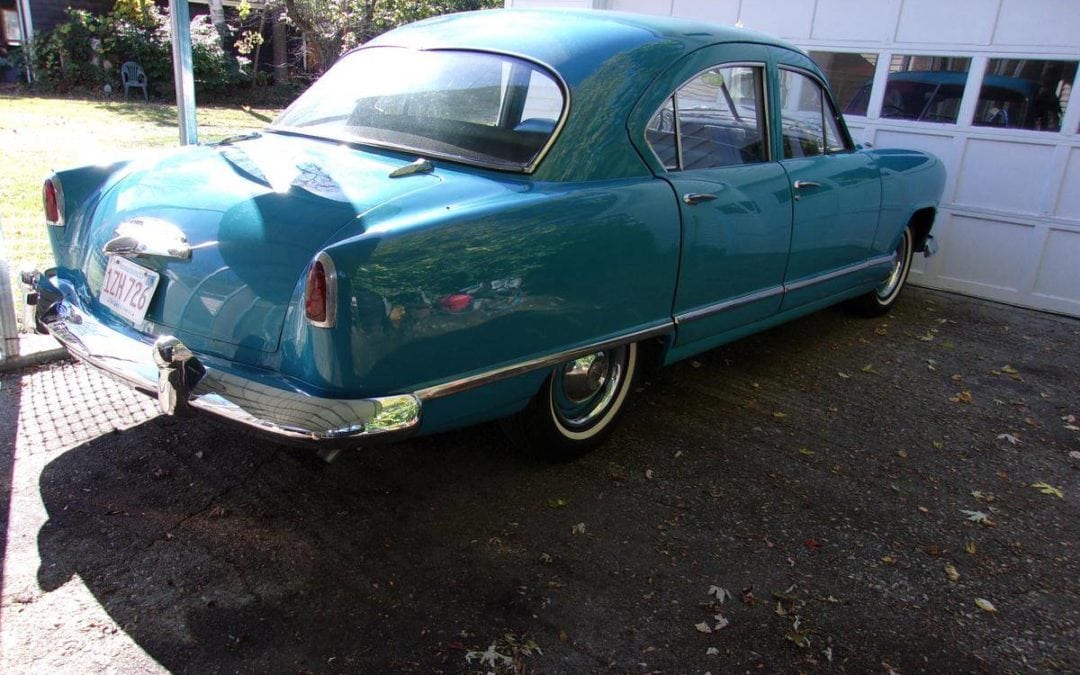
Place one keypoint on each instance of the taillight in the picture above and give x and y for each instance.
(52, 197)
(320, 292)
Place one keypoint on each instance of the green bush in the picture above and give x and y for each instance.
(87, 52)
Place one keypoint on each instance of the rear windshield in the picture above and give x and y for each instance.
(475, 107)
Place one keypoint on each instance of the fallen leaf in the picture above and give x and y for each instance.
(748, 598)
(721, 622)
(962, 397)
(939, 445)
(902, 454)
(927, 337)
(1010, 370)
(720, 594)
(1010, 438)
(957, 377)
(558, 503)
(923, 509)
(985, 605)
(977, 517)
(703, 627)
(779, 415)
(648, 474)
(1075, 454)
(952, 573)
(931, 364)
(812, 544)
(843, 375)
(780, 611)
(712, 651)
(888, 560)
(695, 364)
(1049, 490)
(806, 451)
(801, 638)
(546, 558)
(578, 529)
(869, 368)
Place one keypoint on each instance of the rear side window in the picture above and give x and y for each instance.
(717, 119)
(807, 117)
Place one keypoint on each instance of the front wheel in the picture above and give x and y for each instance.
(577, 406)
(884, 297)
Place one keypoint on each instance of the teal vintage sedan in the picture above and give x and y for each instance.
(501, 214)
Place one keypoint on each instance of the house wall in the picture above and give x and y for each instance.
(1009, 225)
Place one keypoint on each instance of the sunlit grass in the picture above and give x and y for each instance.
(41, 135)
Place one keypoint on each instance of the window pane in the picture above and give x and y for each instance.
(850, 76)
(720, 118)
(1024, 94)
(801, 115)
(925, 88)
(661, 136)
(467, 106)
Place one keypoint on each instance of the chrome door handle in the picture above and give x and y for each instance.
(697, 197)
(801, 184)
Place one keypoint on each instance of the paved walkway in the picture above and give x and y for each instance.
(828, 475)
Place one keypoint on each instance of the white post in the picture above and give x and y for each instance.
(9, 331)
(27, 27)
(183, 69)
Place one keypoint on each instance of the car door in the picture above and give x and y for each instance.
(711, 136)
(836, 190)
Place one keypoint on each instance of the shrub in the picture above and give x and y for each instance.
(87, 51)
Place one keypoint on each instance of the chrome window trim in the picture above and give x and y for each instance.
(826, 91)
(529, 168)
(514, 369)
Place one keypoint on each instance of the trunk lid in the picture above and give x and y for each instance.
(254, 213)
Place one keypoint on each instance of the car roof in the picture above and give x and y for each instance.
(1017, 84)
(606, 59)
(575, 43)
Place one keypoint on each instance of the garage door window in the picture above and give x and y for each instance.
(851, 77)
(921, 88)
(1025, 94)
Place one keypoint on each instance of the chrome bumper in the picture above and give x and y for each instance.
(183, 383)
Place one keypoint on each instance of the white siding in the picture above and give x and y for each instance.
(1009, 226)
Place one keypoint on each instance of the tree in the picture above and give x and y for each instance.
(331, 26)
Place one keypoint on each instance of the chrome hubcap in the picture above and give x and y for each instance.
(584, 388)
(585, 376)
(889, 285)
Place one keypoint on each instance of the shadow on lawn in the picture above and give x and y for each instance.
(159, 114)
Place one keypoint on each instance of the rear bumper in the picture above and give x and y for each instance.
(184, 382)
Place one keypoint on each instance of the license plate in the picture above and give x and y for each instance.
(128, 289)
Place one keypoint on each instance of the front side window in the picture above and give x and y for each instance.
(807, 118)
(474, 107)
(719, 117)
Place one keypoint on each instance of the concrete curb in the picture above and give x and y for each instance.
(34, 350)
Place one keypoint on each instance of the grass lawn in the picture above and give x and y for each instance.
(40, 135)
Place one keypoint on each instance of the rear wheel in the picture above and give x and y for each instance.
(577, 406)
(884, 297)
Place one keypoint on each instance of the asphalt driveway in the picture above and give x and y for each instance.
(837, 494)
